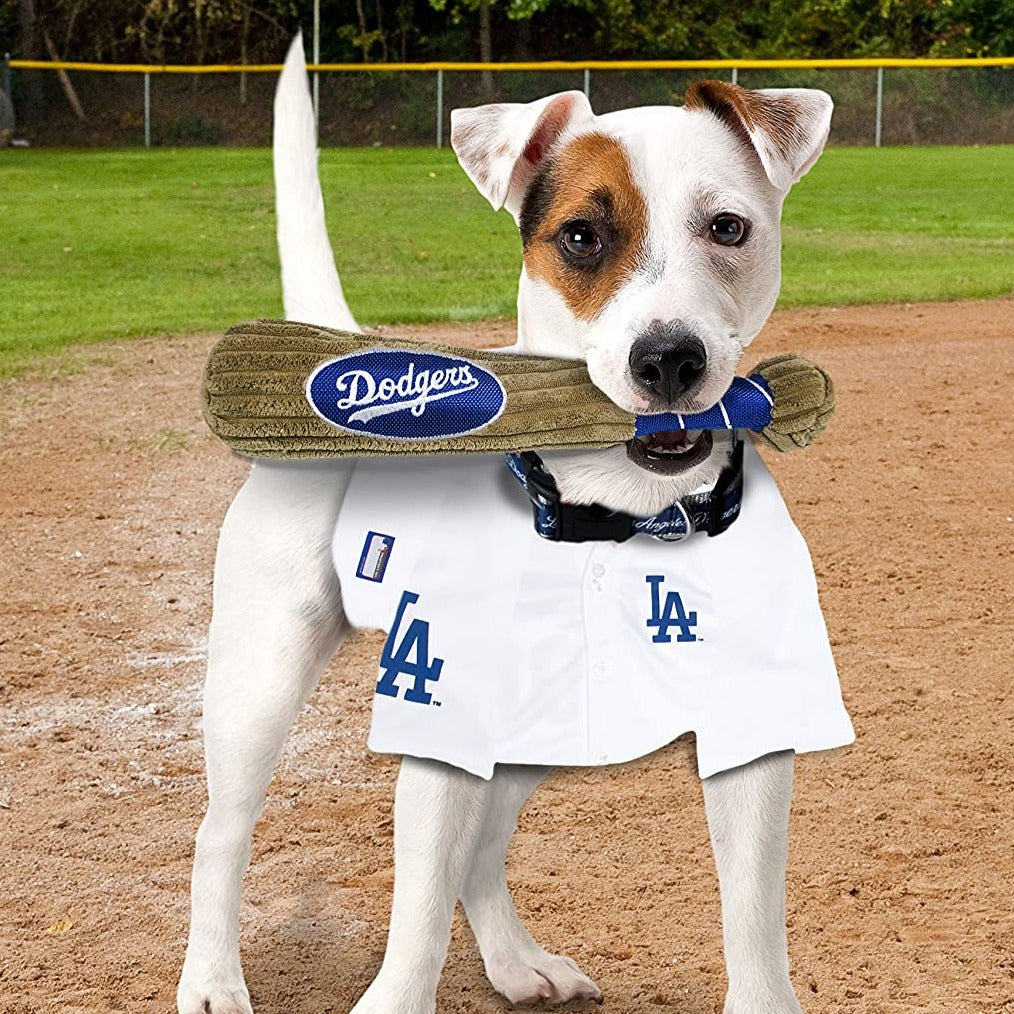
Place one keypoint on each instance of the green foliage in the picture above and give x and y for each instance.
(116, 244)
(841, 28)
(516, 10)
(157, 31)
(8, 24)
(184, 31)
(759, 28)
(974, 27)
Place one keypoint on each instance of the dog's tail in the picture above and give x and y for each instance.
(311, 289)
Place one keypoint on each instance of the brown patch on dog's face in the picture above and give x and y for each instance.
(585, 192)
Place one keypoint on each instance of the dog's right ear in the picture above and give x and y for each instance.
(786, 127)
(501, 146)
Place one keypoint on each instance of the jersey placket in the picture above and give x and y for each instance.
(599, 590)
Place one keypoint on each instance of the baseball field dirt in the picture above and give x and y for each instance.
(901, 867)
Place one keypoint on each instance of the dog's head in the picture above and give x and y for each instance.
(651, 236)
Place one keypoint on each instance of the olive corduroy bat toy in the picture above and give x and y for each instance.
(280, 389)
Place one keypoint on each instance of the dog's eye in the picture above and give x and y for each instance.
(728, 230)
(579, 240)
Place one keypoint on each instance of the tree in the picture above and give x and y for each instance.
(974, 28)
(516, 10)
(31, 47)
(186, 31)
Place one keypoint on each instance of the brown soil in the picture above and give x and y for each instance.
(900, 892)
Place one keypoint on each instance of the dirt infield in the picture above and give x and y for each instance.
(901, 879)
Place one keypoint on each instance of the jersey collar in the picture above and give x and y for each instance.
(712, 511)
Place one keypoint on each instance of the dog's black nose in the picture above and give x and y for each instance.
(667, 360)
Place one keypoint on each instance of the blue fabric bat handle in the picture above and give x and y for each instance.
(747, 405)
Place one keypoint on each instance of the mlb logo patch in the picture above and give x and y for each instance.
(375, 556)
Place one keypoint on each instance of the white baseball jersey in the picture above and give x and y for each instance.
(504, 647)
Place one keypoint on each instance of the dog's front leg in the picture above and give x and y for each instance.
(516, 965)
(748, 816)
(277, 620)
(438, 813)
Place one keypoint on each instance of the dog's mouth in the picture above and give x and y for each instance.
(671, 451)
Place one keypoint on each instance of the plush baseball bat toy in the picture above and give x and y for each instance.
(279, 389)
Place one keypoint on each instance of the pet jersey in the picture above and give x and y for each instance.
(503, 647)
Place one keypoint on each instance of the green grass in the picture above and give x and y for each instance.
(102, 244)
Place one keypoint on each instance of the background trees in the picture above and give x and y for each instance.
(230, 31)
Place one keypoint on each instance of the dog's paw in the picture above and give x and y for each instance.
(213, 1000)
(541, 978)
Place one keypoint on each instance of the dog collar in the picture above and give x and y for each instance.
(712, 511)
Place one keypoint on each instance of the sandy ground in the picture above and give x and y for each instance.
(900, 892)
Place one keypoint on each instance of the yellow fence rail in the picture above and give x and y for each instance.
(544, 65)
(945, 113)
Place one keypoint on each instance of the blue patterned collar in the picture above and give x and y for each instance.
(712, 511)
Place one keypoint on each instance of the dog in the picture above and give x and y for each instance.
(651, 243)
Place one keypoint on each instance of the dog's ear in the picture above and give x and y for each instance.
(501, 146)
(787, 127)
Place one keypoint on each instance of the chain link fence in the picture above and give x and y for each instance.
(873, 105)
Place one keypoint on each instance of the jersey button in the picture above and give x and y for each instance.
(599, 670)
(598, 570)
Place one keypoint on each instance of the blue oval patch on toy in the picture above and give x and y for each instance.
(402, 394)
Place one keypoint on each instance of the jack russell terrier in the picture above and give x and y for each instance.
(651, 247)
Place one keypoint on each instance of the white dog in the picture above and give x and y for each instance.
(651, 250)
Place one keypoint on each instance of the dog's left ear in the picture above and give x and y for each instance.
(501, 146)
(787, 127)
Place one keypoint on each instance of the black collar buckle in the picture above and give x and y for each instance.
(567, 522)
